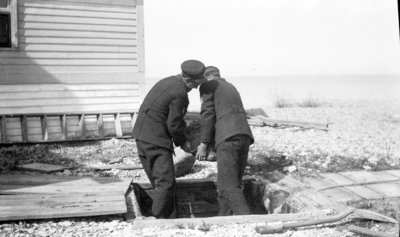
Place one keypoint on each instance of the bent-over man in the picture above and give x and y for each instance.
(223, 121)
(159, 124)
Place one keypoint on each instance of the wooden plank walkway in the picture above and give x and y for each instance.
(357, 185)
(25, 197)
(55, 127)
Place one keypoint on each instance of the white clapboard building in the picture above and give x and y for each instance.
(69, 69)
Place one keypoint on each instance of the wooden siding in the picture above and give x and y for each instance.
(74, 56)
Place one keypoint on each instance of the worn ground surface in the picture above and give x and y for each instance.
(363, 135)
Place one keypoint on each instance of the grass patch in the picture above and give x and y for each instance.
(281, 103)
(310, 102)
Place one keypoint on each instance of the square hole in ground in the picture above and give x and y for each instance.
(198, 197)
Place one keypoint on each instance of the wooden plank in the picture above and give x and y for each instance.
(365, 176)
(133, 119)
(97, 3)
(24, 128)
(14, 24)
(20, 199)
(80, 20)
(78, 41)
(361, 191)
(53, 184)
(43, 179)
(69, 62)
(77, 27)
(339, 195)
(75, 13)
(40, 167)
(132, 203)
(71, 87)
(393, 172)
(66, 94)
(387, 189)
(69, 55)
(82, 126)
(117, 122)
(11, 69)
(303, 124)
(3, 129)
(72, 33)
(100, 125)
(50, 206)
(83, 6)
(225, 220)
(9, 189)
(64, 127)
(78, 48)
(66, 101)
(140, 36)
(87, 108)
(116, 166)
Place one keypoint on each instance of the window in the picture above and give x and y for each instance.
(8, 24)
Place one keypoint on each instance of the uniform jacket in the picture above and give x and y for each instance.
(222, 112)
(160, 119)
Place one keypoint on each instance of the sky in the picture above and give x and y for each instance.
(273, 37)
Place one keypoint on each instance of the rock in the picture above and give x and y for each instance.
(275, 197)
(192, 133)
(183, 162)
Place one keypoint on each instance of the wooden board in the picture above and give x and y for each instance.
(391, 189)
(40, 167)
(42, 206)
(25, 197)
(65, 127)
(339, 195)
(393, 172)
(364, 192)
(226, 220)
(357, 185)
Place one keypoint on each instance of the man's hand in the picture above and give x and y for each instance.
(202, 151)
(187, 147)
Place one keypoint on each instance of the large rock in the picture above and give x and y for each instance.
(193, 135)
(183, 162)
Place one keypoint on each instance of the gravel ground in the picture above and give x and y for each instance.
(362, 135)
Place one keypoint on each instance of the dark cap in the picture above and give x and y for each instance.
(210, 69)
(193, 69)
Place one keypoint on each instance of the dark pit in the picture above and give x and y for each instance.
(198, 198)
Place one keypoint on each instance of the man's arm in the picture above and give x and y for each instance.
(208, 116)
(176, 123)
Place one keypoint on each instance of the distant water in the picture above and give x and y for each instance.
(263, 91)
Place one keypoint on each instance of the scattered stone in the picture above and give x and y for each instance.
(183, 162)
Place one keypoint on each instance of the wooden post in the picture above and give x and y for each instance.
(133, 119)
(64, 129)
(118, 128)
(100, 125)
(140, 35)
(45, 133)
(3, 129)
(24, 128)
(82, 126)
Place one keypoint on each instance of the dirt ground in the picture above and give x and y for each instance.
(363, 135)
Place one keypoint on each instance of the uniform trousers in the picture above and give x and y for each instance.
(159, 167)
(232, 160)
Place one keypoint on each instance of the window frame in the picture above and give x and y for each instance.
(11, 9)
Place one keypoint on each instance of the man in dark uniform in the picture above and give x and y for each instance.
(223, 122)
(159, 124)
